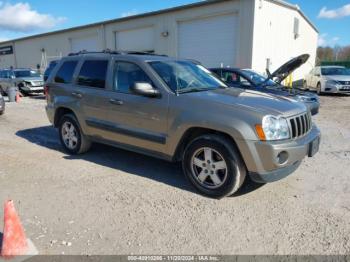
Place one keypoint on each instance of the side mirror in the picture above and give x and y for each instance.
(145, 89)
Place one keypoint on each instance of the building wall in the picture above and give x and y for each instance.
(274, 38)
(28, 51)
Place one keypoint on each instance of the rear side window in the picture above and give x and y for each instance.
(66, 72)
(93, 73)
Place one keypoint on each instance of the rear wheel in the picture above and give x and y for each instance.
(213, 166)
(71, 136)
(319, 89)
(305, 87)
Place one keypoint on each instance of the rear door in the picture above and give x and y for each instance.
(91, 89)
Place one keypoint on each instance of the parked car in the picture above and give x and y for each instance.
(27, 80)
(2, 105)
(328, 79)
(178, 110)
(251, 80)
(49, 69)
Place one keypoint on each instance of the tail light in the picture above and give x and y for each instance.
(46, 92)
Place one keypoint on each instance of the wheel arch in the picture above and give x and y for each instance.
(195, 132)
(60, 112)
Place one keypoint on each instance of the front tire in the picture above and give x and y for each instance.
(72, 138)
(213, 166)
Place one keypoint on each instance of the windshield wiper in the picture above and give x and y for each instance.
(193, 90)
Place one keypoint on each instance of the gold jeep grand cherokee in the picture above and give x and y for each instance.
(178, 111)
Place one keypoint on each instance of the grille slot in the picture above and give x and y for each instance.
(300, 125)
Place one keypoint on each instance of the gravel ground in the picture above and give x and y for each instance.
(111, 201)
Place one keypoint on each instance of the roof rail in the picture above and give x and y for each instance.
(114, 52)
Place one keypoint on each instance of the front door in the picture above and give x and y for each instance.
(137, 120)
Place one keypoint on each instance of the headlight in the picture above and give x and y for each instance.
(303, 98)
(332, 82)
(273, 128)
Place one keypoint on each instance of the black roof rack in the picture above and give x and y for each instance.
(113, 52)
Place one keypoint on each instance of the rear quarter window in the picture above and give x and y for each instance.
(66, 72)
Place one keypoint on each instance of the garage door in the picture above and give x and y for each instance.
(85, 43)
(142, 40)
(212, 41)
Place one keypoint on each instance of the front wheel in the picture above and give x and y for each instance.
(213, 166)
(71, 136)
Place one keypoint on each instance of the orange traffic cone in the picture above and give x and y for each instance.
(14, 241)
(18, 97)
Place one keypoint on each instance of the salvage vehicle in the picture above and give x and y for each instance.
(328, 79)
(251, 80)
(178, 110)
(27, 80)
(2, 105)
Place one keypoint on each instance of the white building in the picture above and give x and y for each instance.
(236, 33)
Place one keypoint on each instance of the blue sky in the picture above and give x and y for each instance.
(27, 17)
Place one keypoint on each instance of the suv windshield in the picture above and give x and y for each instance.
(185, 76)
(26, 73)
(335, 71)
(258, 79)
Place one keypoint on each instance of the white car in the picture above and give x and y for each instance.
(328, 79)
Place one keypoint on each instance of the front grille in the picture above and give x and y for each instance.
(344, 82)
(300, 125)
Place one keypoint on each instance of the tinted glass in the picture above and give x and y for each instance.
(127, 74)
(65, 74)
(26, 73)
(186, 76)
(340, 71)
(49, 70)
(93, 73)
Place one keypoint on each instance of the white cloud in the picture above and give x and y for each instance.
(130, 13)
(325, 40)
(335, 13)
(21, 17)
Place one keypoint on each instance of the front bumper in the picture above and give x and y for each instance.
(271, 161)
(337, 89)
(314, 107)
(32, 89)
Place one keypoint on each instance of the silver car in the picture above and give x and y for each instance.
(328, 79)
(28, 81)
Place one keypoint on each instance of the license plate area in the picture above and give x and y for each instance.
(314, 147)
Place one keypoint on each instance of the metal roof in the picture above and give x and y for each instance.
(159, 12)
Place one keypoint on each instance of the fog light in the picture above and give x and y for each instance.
(328, 89)
(282, 158)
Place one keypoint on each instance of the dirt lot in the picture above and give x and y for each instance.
(110, 201)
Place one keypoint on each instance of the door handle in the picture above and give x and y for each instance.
(116, 102)
(77, 95)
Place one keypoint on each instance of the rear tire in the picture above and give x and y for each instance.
(72, 138)
(305, 87)
(213, 166)
(319, 89)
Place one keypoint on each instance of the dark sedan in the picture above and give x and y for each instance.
(248, 79)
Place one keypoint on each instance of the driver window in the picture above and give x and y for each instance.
(127, 74)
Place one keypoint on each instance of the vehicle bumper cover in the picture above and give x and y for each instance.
(33, 89)
(263, 159)
(50, 112)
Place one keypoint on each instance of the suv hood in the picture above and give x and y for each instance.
(285, 70)
(264, 103)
